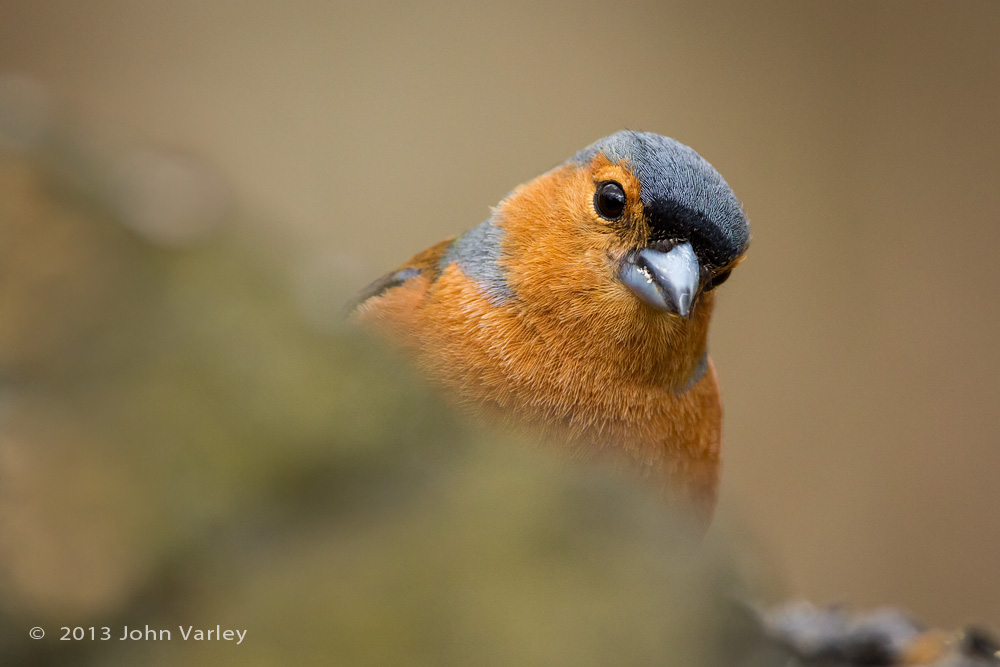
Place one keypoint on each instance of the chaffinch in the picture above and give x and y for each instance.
(580, 308)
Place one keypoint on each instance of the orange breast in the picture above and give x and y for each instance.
(569, 352)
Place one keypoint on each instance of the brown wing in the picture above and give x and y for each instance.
(424, 263)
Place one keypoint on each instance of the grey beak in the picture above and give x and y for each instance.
(664, 280)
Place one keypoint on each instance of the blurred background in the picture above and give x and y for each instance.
(854, 346)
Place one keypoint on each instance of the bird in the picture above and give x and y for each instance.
(579, 310)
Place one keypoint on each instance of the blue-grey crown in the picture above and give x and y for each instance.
(682, 194)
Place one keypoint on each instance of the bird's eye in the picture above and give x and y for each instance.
(718, 280)
(609, 200)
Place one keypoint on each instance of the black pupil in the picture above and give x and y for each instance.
(610, 200)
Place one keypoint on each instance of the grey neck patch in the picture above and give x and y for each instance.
(477, 252)
(696, 375)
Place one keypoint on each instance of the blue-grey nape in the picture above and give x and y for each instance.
(682, 194)
(477, 254)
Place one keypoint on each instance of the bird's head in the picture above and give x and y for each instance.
(634, 222)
